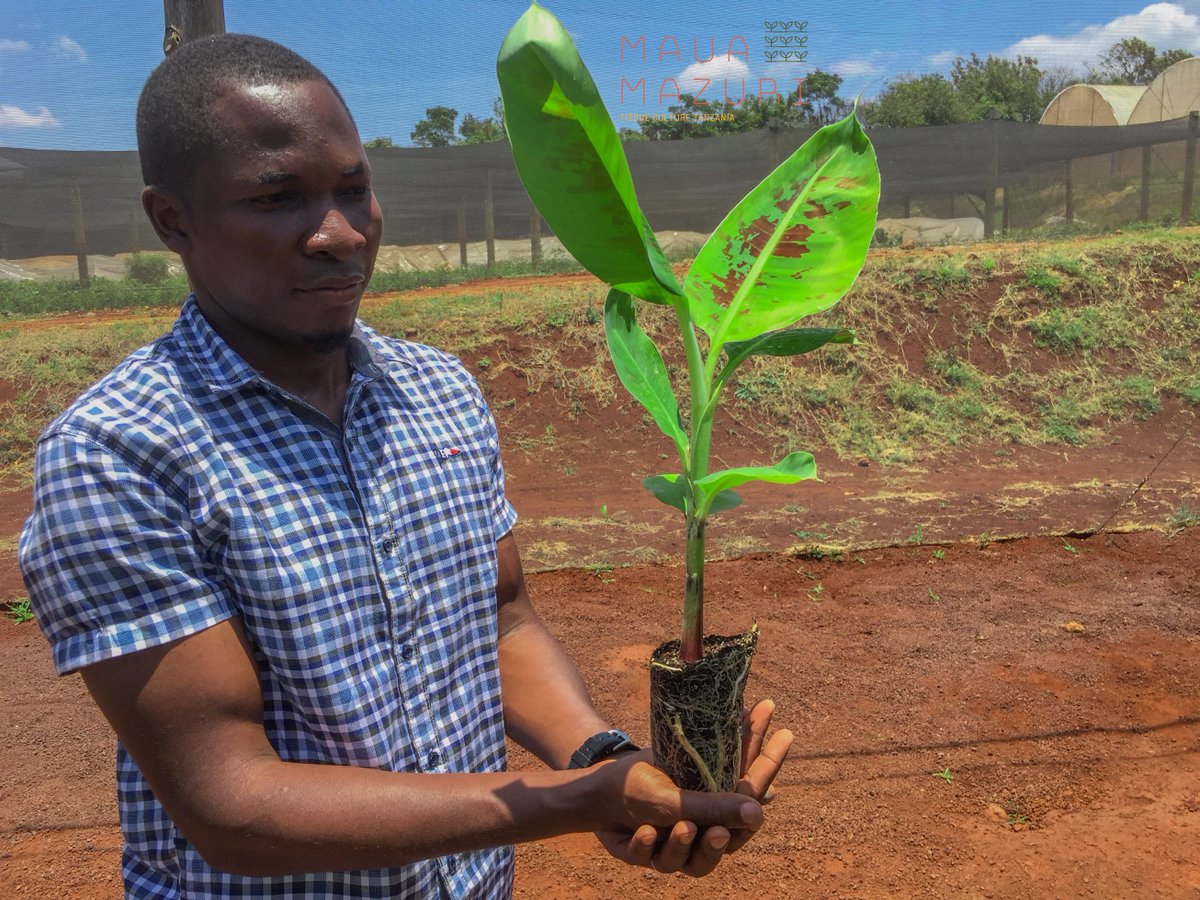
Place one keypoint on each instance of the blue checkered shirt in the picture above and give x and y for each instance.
(184, 489)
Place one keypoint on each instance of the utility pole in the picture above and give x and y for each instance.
(187, 20)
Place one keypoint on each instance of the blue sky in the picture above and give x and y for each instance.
(70, 72)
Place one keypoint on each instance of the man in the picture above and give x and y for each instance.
(276, 546)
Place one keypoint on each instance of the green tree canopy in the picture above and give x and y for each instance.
(911, 101)
(822, 103)
(1011, 86)
(379, 142)
(475, 130)
(436, 129)
(1134, 61)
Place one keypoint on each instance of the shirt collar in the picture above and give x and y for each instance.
(226, 371)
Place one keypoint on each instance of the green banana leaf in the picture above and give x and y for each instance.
(792, 468)
(571, 161)
(794, 245)
(640, 366)
(671, 491)
(783, 343)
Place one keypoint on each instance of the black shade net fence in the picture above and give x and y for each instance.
(52, 200)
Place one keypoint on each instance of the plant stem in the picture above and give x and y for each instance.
(691, 645)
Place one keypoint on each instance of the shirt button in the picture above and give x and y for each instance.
(434, 760)
(387, 546)
(408, 652)
(451, 865)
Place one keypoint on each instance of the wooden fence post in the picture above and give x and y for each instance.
(773, 129)
(1070, 211)
(186, 20)
(135, 238)
(993, 176)
(1004, 204)
(908, 207)
(81, 252)
(489, 220)
(3, 242)
(462, 232)
(1189, 168)
(1144, 208)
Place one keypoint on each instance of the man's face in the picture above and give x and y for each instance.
(282, 226)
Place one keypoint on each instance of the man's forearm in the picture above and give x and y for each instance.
(546, 705)
(294, 817)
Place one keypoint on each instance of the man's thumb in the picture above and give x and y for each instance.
(730, 810)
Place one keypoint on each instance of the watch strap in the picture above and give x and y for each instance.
(601, 746)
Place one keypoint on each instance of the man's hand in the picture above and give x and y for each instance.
(683, 848)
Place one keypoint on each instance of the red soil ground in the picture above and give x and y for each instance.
(1072, 754)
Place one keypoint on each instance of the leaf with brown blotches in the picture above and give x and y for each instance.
(794, 244)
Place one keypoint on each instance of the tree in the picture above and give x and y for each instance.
(475, 130)
(436, 129)
(821, 98)
(911, 101)
(1134, 61)
(1011, 86)
(498, 113)
(379, 142)
(1168, 58)
(1057, 79)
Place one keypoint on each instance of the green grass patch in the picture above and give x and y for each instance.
(1138, 394)
(1044, 280)
(39, 298)
(396, 280)
(1074, 329)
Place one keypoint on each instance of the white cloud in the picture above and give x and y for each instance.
(11, 46)
(15, 117)
(852, 68)
(715, 70)
(1165, 26)
(945, 58)
(64, 46)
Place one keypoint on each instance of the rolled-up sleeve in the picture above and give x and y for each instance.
(108, 556)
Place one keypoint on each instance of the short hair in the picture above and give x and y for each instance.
(175, 119)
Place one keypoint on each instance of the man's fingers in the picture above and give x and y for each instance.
(675, 851)
(762, 771)
(755, 723)
(709, 849)
(636, 849)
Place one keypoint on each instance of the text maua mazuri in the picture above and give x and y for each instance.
(702, 89)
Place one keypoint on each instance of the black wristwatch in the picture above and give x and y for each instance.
(601, 746)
